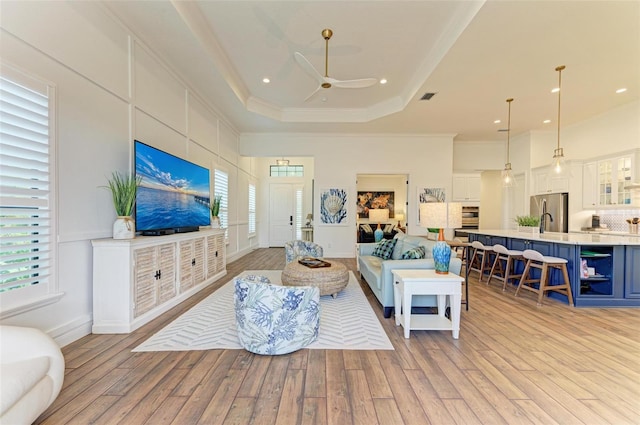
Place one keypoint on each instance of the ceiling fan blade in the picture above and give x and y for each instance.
(314, 92)
(309, 69)
(352, 84)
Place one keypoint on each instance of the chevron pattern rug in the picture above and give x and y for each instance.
(347, 322)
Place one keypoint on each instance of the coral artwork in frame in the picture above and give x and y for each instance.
(333, 206)
(429, 194)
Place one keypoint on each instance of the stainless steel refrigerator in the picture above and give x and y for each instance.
(555, 208)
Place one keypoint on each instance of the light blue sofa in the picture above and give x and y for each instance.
(378, 272)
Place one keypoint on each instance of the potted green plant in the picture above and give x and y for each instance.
(528, 223)
(215, 210)
(123, 189)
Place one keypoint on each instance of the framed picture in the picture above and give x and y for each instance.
(333, 206)
(370, 200)
(429, 194)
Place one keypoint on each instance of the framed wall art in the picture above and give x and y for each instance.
(333, 206)
(429, 194)
(369, 200)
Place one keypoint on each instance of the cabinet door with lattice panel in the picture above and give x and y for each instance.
(144, 285)
(167, 267)
(192, 264)
(215, 254)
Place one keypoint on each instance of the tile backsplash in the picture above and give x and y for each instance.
(616, 220)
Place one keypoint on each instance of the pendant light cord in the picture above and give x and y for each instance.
(509, 129)
(559, 69)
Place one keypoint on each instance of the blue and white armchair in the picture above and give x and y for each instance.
(298, 248)
(274, 319)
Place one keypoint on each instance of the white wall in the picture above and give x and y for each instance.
(110, 90)
(338, 159)
(474, 156)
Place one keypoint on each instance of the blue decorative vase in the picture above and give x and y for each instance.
(378, 234)
(441, 255)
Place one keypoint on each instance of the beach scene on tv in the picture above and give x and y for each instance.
(173, 192)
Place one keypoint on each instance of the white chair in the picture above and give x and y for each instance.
(32, 371)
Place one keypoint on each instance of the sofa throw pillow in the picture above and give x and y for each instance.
(388, 228)
(384, 249)
(367, 228)
(414, 253)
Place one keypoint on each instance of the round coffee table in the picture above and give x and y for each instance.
(330, 280)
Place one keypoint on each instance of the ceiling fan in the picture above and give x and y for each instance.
(326, 81)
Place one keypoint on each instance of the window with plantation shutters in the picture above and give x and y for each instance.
(221, 185)
(26, 206)
(252, 209)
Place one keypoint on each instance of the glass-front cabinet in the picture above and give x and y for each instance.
(604, 182)
(613, 176)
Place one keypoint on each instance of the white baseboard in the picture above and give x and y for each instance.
(71, 331)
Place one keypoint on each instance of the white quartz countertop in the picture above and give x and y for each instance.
(564, 238)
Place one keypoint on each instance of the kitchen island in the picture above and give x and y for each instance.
(613, 262)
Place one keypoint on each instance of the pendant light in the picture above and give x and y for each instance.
(558, 166)
(507, 174)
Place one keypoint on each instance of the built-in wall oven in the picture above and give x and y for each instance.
(470, 220)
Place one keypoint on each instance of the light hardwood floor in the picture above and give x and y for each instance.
(514, 363)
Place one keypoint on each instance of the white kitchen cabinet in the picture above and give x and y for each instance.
(604, 182)
(545, 182)
(136, 280)
(590, 185)
(466, 187)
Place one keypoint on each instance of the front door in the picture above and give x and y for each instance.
(285, 213)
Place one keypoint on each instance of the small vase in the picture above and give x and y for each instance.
(124, 228)
(215, 222)
(441, 255)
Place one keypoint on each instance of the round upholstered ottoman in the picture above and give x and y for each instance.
(330, 280)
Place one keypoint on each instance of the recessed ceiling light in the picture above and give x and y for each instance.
(497, 122)
(383, 81)
(622, 90)
(555, 90)
(266, 80)
(546, 121)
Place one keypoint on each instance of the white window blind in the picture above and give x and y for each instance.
(298, 216)
(25, 186)
(221, 184)
(252, 209)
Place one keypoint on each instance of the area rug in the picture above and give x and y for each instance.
(347, 322)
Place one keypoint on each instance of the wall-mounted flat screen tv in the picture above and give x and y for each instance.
(173, 195)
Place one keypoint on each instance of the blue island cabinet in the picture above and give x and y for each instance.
(603, 284)
(612, 278)
(632, 273)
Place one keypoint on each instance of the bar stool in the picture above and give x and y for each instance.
(545, 264)
(480, 258)
(505, 273)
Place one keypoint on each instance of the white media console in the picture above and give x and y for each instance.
(136, 280)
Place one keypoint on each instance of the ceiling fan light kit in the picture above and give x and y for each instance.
(325, 81)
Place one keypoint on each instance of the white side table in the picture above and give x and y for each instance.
(407, 283)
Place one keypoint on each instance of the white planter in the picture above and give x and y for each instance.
(124, 228)
(532, 230)
(215, 222)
